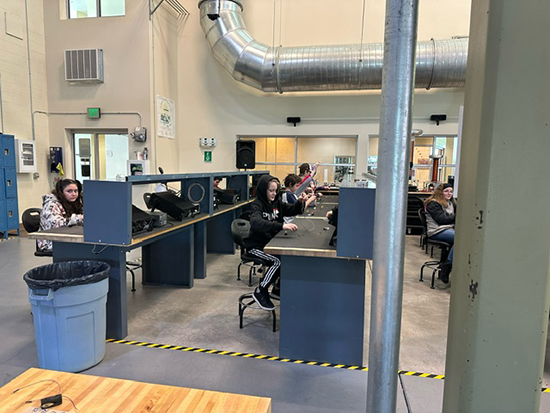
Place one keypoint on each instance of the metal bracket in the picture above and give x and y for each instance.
(174, 4)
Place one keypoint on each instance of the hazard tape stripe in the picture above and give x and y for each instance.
(273, 358)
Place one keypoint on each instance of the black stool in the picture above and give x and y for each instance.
(435, 264)
(250, 303)
(444, 246)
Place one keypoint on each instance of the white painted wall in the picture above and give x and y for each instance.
(125, 41)
(208, 101)
(213, 104)
(16, 101)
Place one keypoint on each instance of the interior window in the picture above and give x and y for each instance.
(79, 9)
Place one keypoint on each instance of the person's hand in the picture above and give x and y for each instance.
(329, 214)
(310, 199)
(290, 227)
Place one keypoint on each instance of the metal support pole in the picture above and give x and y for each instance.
(391, 203)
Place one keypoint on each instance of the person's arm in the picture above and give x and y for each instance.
(438, 214)
(259, 224)
(76, 219)
(290, 210)
(304, 185)
(52, 216)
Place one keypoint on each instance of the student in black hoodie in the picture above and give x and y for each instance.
(266, 220)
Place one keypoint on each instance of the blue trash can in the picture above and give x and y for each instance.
(68, 302)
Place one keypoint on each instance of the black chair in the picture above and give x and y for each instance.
(445, 247)
(31, 223)
(240, 228)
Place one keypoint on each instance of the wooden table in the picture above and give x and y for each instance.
(102, 394)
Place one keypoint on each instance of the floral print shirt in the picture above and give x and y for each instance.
(54, 216)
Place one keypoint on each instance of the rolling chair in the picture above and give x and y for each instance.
(31, 223)
(445, 247)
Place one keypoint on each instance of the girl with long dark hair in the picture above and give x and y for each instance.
(61, 208)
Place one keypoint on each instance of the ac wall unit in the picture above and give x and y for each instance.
(84, 66)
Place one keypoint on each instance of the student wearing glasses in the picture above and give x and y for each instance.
(62, 207)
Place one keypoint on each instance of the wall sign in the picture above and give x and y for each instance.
(166, 117)
(207, 156)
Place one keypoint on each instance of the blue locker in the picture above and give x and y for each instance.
(2, 191)
(10, 182)
(9, 212)
(12, 213)
(3, 215)
(8, 151)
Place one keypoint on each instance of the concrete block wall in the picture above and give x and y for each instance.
(19, 20)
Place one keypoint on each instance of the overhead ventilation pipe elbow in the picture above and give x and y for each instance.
(439, 63)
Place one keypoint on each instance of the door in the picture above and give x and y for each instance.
(100, 155)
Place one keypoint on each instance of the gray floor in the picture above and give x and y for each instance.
(206, 317)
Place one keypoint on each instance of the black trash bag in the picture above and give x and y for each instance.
(66, 274)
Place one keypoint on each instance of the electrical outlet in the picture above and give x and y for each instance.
(213, 142)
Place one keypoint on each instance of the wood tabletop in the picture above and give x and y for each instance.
(76, 233)
(106, 395)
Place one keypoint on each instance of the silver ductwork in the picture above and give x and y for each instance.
(439, 63)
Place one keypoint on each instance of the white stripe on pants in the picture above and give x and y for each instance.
(270, 273)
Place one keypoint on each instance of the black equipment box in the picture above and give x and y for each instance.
(173, 205)
(227, 196)
(141, 221)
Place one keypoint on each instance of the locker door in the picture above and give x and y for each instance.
(12, 213)
(2, 190)
(8, 150)
(3, 215)
(10, 182)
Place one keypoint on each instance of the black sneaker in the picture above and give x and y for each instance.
(262, 299)
(276, 292)
(445, 271)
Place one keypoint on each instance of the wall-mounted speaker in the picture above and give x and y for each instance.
(246, 154)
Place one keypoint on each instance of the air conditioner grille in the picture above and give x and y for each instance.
(85, 65)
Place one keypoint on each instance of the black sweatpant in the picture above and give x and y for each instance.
(273, 271)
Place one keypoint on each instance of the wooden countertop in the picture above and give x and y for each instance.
(76, 233)
(106, 395)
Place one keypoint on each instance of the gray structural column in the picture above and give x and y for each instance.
(391, 204)
(500, 278)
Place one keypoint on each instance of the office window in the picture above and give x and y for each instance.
(80, 9)
(425, 148)
(283, 155)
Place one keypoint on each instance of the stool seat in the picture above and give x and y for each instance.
(247, 301)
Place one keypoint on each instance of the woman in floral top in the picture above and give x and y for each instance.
(63, 207)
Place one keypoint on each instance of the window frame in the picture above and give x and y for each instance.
(296, 164)
(97, 8)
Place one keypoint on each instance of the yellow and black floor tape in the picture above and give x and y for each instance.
(270, 358)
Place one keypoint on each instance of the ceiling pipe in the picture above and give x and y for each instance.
(439, 63)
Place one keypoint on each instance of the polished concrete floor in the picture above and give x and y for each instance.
(206, 317)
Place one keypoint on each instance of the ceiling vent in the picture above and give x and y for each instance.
(84, 66)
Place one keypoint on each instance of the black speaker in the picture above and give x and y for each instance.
(246, 154)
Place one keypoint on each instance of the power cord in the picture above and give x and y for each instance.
(50, 401)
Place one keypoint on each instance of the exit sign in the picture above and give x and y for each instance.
(94, 113)
(207, 156)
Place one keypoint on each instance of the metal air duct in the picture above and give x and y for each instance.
(439, 63)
